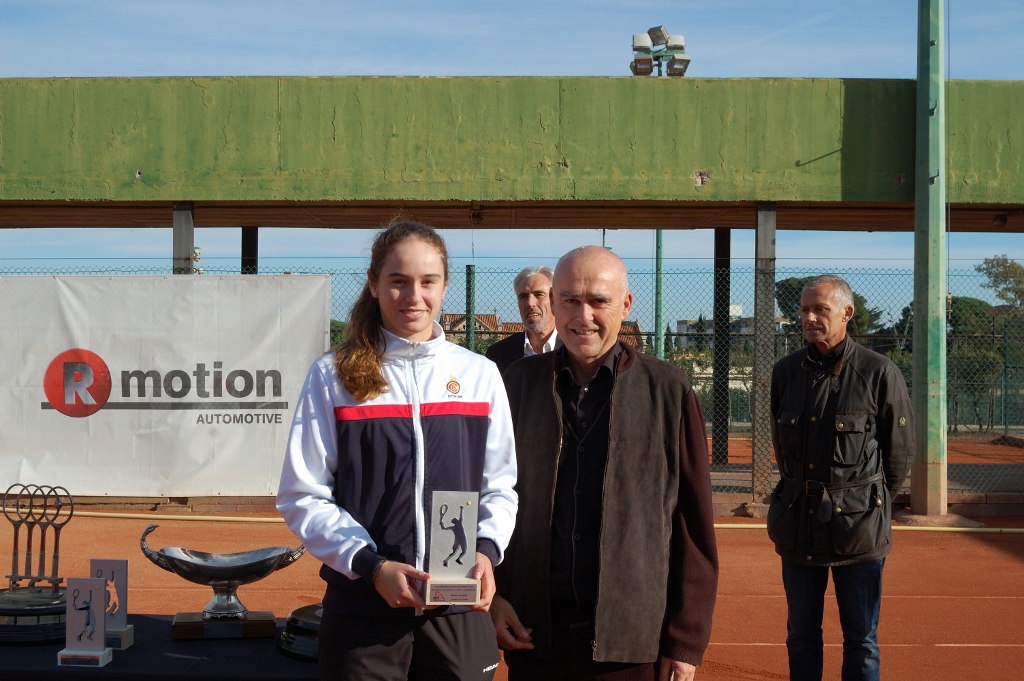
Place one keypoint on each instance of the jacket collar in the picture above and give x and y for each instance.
(814, 362)
(397, 348)
(623, 360)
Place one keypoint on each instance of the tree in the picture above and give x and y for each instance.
(1006, 278)
(701, 328)
(671, 341)
(787, 297)
(969, 316)
(901, 329)
(337, 332)
(865, 319)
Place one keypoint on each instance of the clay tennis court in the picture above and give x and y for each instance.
(957, 451)
(952, 608)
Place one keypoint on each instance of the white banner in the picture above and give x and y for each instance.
(154, 385)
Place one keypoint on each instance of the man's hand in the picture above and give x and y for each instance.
(512, 635)
(396, 584)
(674, 670)
(484, 571)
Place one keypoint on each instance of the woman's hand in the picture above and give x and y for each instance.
(396, 583)
(484, 571)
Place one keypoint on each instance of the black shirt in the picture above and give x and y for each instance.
(576, 521)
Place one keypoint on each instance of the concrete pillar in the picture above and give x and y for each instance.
(183, 224)
(720, 355)
(928, 478)
(250, 250)
(764, 348)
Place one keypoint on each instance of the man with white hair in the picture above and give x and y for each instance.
(843, 433)
(533, 294)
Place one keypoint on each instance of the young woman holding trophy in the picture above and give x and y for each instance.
(395, 413)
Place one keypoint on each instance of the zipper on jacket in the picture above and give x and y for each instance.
(418, 473)
(554, 483)
(604, 490)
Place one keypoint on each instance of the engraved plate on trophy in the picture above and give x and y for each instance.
(85, 634)
(452, 532)
(120, 634)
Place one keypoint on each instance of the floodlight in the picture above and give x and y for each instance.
(659, 36)
(642, 41)
(676, 42)
(677, 64)
(642, 66)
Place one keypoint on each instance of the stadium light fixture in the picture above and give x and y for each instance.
(659, 36)
(658, 49)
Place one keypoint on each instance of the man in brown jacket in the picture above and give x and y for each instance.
(612, 570)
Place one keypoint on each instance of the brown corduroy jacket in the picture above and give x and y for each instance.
(658, 556)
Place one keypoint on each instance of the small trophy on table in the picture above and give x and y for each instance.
(85, 639)
(453, 550)
(119, 634)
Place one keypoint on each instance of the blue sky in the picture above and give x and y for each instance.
(726, 38)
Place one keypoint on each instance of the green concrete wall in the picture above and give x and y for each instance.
(495, 139)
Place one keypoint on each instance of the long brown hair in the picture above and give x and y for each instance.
(358, 356)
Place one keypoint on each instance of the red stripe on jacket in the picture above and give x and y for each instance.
(374, 411)
(404, 411)
(455, 408)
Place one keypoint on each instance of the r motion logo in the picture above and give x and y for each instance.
(78, 383)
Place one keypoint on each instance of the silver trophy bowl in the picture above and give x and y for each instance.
(225, 572)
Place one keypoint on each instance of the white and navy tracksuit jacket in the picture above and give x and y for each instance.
(358, 476)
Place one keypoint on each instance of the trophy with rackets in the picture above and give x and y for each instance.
(452, 550)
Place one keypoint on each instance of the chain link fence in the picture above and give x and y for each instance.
(985, 350)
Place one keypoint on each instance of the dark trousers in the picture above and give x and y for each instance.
(572, 657)
(859, 595)
(450, 648)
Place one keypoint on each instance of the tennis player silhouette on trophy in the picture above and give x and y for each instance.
(113, 602)
(460, 535)
(85, 607)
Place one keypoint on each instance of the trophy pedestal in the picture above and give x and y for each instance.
(191, 625)
(300, 638)
(70, 657)
(31, 616)
(452, 591)
(121, 639)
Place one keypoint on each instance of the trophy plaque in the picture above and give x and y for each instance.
(120, 634)
(85, 643)
(224, 616)
(452, 550)
(32, 608)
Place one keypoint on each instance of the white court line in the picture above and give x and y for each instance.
(890, 597)
(884, 645)
(979, 645)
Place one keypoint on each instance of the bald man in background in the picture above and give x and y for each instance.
(613, 568)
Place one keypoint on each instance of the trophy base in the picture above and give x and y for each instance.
(452, 591)
(300, 638)
(30, 616)
(120, 639)
(84, 658)
(191, 625)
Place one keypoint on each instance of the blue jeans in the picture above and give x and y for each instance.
(859, 595)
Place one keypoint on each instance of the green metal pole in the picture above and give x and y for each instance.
(1006, 353)
(928, 481)
(659, 301)
(471, 307)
